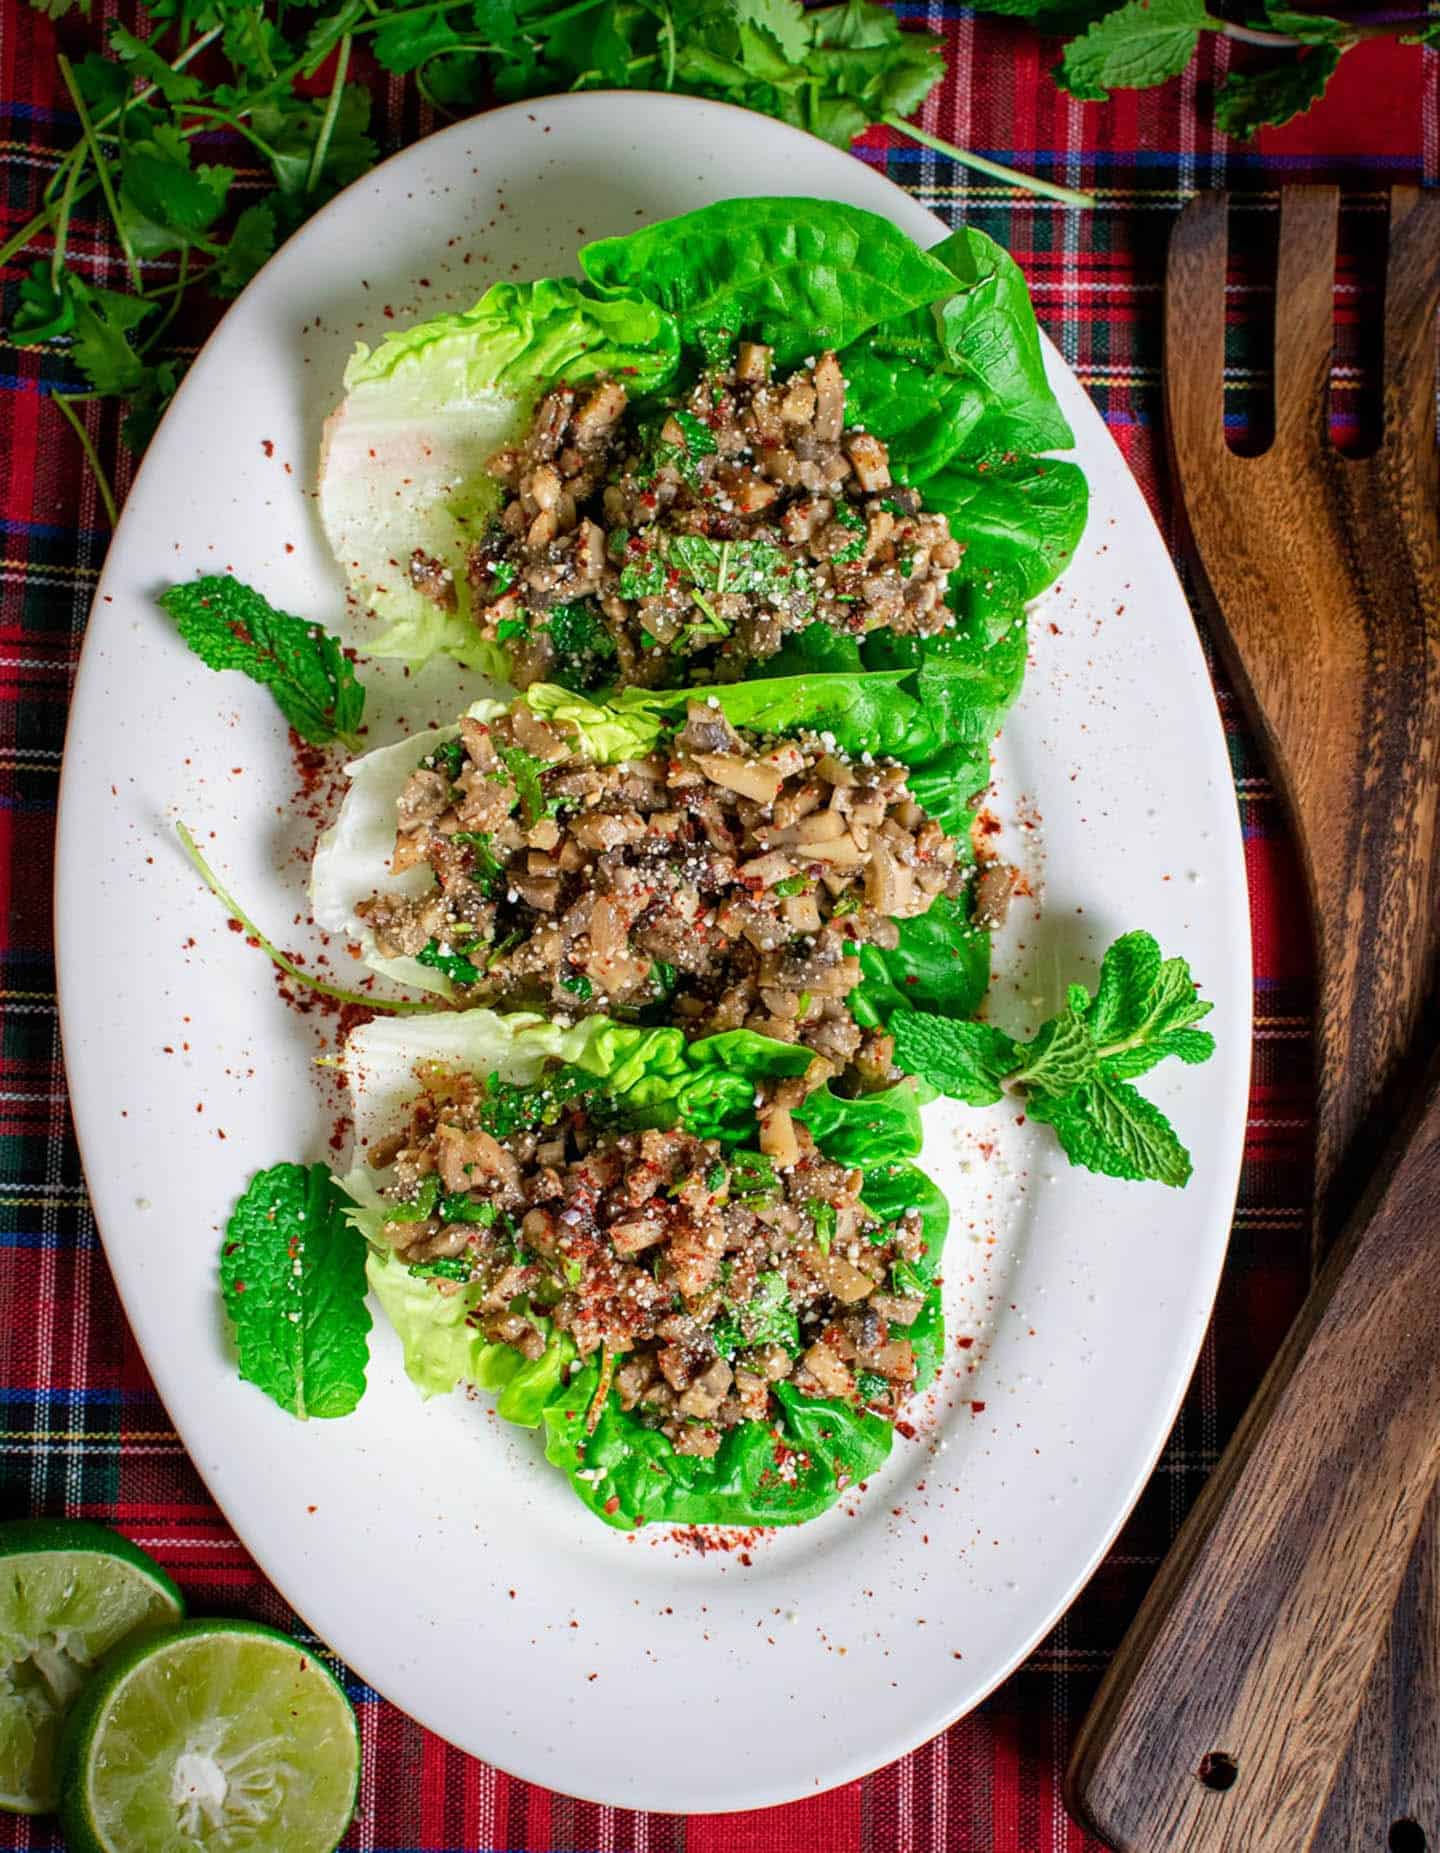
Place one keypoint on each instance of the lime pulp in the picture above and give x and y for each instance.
(69, 1592)
(216, 1735)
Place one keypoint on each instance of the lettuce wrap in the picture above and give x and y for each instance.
(942, 361)
(765, 1473)
(942, 960)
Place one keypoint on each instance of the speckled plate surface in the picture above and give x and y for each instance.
(432, 1547)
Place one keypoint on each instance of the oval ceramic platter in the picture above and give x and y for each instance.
(428, 1543)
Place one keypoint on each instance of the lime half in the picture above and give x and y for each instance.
(218, 1735)
(69, 1592)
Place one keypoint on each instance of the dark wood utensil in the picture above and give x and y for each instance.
(1227, 1718)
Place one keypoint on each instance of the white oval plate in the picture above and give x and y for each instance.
(438, 1553)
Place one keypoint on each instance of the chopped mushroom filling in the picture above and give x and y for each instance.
(703, 1275)
(725, 877)
(711, 531)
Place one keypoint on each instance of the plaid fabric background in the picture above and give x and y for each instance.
(85, 1434)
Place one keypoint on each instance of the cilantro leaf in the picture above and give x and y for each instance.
(101, 350)
(144, 62)
(1248, 101)
(525, 770)
(102, 82)
(1140, 44)
(163, 197)
(404, 43)
(767, 1318)
(231, 626)
(147, 403)
(44, 310)
(290, 126)
(249, 246)
(252, 42)
(292, 1273)
(452, 965)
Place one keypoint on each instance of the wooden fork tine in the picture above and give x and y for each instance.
(1412, 293)
(1305, 316)
(1195, 329)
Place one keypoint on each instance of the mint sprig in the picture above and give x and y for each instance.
(1075, 1073)
(229, 625)
(292, 1272)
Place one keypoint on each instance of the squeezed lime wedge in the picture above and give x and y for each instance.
(215, 1735)
(69, 1592)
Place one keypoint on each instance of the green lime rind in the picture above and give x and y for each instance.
(181, 1739)
(70, 1592)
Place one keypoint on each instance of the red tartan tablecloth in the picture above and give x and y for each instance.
(84, 1433)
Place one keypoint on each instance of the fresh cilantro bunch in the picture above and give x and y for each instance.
(1076, 1073)
(1141, 43)
(276, 81)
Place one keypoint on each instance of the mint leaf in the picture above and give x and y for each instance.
(1110, 1127)
(1062, 1056)
(967, 1061)
(1075, 1072)
(1252, 100)
(1140, 44)
(292, 1273)
(231, 626)
(1144, 1008)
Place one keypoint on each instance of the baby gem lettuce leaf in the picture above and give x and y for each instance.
(799, 275)
(1020, 520)
(1075, 1073)
(964, 379)
(292, 1272)
(763, 1474)
(231, 626)
(428, 408)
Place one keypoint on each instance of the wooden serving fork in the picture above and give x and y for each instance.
(1260, 1656)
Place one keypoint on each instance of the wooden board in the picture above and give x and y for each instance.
(1267, 1643)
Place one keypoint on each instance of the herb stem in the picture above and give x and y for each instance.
(77, 425)
(177, 292)
(62, 224)
(1031, 183)
(178, 63)
(234, 122)
(400, 1007)
(332, 111)
(1252, 35)
(102, 168)
(417, 12)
